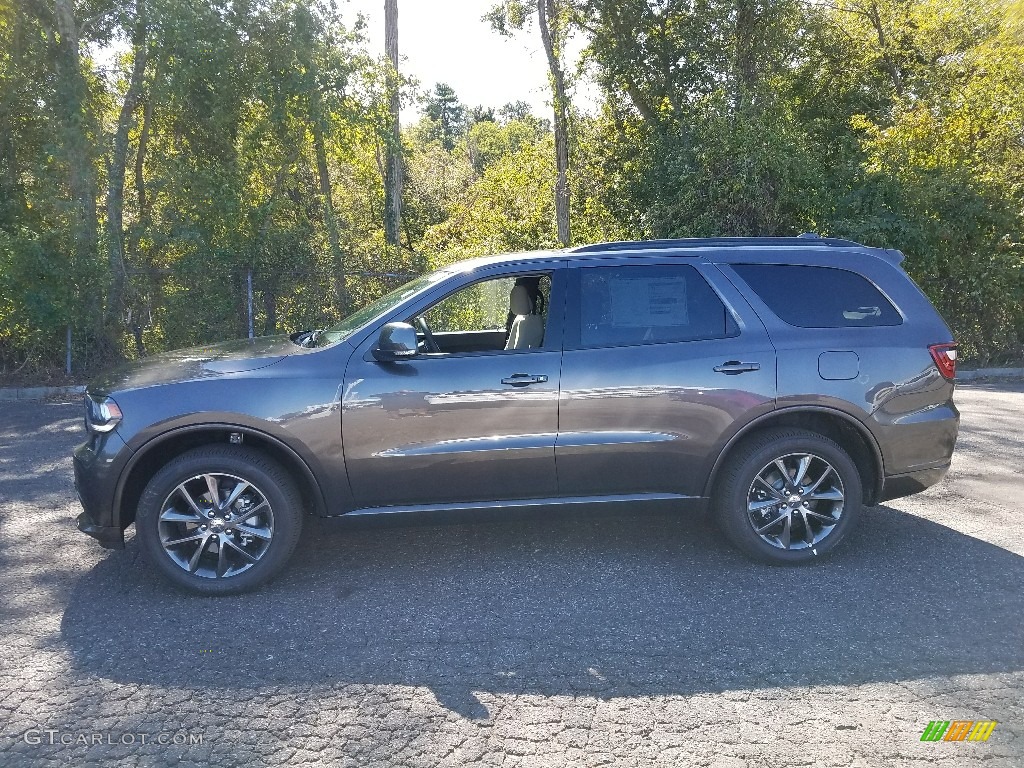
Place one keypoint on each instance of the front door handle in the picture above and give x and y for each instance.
(732, 367)
(522, 379)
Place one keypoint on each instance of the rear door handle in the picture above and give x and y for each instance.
(522, 379)
(732, 367)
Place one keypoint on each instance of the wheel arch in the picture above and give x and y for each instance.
(163, 448)
(851, 435)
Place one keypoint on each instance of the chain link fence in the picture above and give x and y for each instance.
(168, 308)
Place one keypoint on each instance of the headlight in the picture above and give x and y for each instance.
(101, 414)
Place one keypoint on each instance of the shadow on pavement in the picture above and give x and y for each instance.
(571, 604)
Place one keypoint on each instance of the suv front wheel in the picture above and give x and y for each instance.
(219, 520)
(788, 496)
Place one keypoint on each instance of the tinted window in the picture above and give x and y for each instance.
(818, 297)
(649, 305)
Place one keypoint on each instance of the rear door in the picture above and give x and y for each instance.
(663, 362)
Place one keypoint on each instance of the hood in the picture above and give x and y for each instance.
(196, 363)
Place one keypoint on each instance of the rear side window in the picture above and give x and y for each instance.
(622, 306)
(819, 297)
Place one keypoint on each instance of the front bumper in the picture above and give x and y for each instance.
(110, 538)
(97, 464)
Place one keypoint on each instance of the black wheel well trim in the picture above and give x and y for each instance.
(309, 480)
(874, 493)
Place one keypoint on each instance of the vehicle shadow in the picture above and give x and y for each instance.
(574, 603)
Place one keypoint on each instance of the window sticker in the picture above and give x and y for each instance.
(649, 301)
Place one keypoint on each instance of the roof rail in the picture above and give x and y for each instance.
(805, 239)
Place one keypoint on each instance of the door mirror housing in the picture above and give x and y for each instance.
(397, 341)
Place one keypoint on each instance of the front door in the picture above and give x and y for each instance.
(466, 420)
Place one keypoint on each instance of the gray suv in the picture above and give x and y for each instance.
(782, 383)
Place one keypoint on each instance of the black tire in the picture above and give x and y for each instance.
(738, 486)
(269, 483)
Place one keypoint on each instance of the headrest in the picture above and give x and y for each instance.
(519, 301)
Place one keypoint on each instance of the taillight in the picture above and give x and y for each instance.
(944, 356)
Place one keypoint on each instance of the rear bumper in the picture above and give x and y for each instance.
(897, 486)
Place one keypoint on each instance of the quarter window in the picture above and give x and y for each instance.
(622, 306)
(818, 297)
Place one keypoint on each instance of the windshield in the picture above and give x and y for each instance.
(375, 309)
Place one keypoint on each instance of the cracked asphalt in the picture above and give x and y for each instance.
(543, 639)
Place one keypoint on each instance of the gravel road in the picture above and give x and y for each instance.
(536, 640)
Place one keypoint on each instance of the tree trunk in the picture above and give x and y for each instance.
(327, 202)
(393, 168)
(72, 112)
(745, 56)
(546, 11)
(269, 312)
(118, 163)
(10, 197)
(140, 157)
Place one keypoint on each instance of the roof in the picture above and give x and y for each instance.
(696, 244)
(803, 240)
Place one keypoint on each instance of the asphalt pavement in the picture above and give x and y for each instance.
(544, 639)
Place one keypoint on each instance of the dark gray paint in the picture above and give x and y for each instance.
(619, 423)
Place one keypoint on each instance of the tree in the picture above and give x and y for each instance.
(393, 172)
(447, 113)
(553, 23)
(118, 163)
(515, 110)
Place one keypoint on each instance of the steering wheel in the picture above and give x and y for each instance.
(428, 337)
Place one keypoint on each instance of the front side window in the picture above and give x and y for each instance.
(818, 297)
(653, 304)
(503, 313)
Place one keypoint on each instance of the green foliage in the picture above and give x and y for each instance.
(261, 134)
(446, 114)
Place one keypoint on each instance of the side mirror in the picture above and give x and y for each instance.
(397, 341)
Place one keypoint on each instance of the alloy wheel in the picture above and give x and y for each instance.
(216, 525)
(795, 501)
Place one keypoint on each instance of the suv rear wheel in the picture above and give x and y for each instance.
(788, 496)
(219, 519)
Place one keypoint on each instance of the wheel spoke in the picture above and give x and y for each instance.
(801, 470)
(214, 487)
(817, 483)
(171, 515)
(193, 562)
(770, 488)
(808, 531)
(222, 561)
(188, 498)
(786, 479)
(237, 491)
(761, 506)
(194, 537)
(262, 533)
(776, 521)
(787, 530)
(247, 514)
(239, 550)
(829, 521)
(833, 494)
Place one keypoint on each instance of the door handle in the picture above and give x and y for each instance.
(522, 379)
(732, 367)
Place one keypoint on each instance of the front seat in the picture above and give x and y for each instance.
(527, 331)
